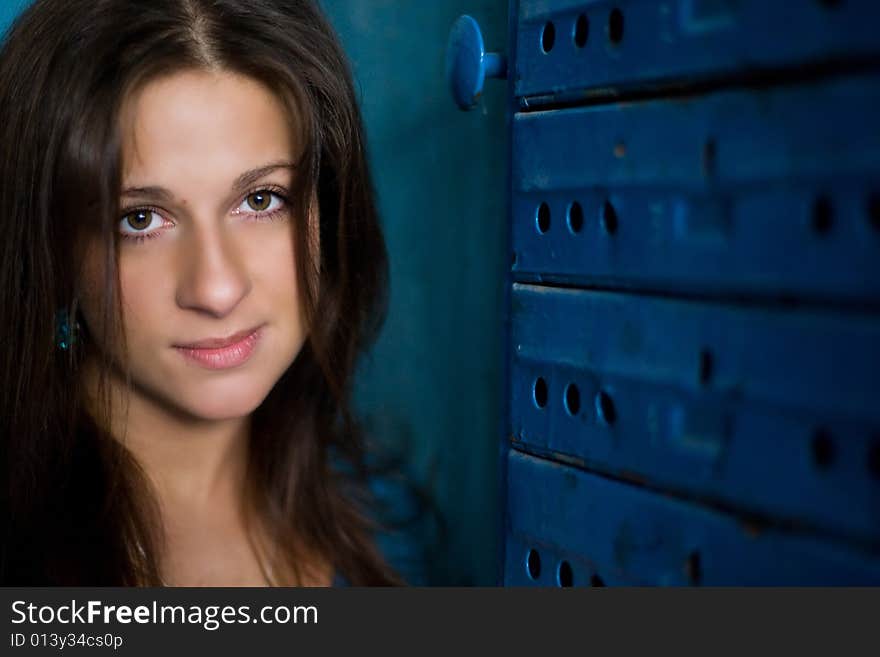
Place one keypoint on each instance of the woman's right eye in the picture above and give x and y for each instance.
(140, 223)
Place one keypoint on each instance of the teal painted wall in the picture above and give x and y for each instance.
(433, 382)
(431, 387)
(9, 9)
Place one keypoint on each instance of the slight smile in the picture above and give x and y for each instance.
(222, 353)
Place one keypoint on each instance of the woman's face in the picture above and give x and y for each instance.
(206, 260)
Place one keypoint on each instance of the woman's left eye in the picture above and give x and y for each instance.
(261, 202)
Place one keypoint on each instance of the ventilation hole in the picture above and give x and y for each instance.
(513, 258)
(595, 580)
(540, 392)
(615, 26)
(705, 366)
(823, 448)
(543, 218)
(710, 156)
(605, 408)
(572, 399)
(874, 459)
(830, 4)
(581, 31)
(609, 218)
(575, 217)
(694, 569)
(564, 575)
(823, 215)
(548, 37)
(874, 212)
(533, 564)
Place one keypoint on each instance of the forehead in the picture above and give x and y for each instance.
(199, 125)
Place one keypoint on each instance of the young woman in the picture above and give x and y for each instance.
(190, 264)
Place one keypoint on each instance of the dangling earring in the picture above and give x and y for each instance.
(65, 335)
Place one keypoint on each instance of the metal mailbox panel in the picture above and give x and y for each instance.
(578, 49)
(773, 412)
(729, 193)
(569, 527)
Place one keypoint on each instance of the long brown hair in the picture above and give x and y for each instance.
(78, 508)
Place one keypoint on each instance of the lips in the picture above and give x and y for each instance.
(222, 353)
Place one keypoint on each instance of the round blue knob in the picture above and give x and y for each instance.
(468, 64)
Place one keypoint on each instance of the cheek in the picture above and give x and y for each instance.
(140, 294)
(275, 278)
(144, 297)
(271, 261)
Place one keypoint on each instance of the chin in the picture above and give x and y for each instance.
(203, 396)
(237, 403)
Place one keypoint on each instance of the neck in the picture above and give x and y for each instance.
(193, 463)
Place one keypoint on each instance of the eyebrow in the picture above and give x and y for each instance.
(243, 181)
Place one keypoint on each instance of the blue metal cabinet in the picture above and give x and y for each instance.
(765, 411)
(572, 527)
(580, 49)
(736, 192)
(693, 335)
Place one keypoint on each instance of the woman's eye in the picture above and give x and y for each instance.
(140, 221)
(262, 201)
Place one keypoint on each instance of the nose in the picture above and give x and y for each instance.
(214, 278)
